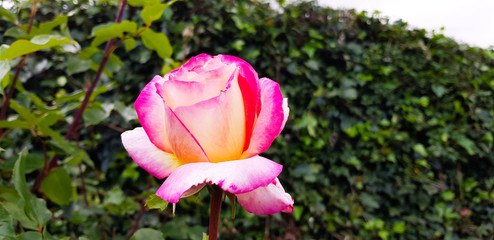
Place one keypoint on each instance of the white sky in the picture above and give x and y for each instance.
(467, 21)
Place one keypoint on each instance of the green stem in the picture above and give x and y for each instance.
(214, 217)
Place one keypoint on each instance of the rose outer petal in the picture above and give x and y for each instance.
(248, 82)
(267, 200)
(286, 113)
(151, 113)
(271, 118)
(152, 159)
(236, 177)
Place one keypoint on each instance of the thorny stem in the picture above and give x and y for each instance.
(214, 216)
(6, 101)
(73, 128)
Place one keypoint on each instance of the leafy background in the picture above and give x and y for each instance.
(390, 134)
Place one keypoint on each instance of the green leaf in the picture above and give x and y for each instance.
(114, 196)
(49, 119)
(95, 115)
(469, 184)
(135, 3)
(146, 234)
(88, 52)
(14, 204)
(129, 43)
(383, 234)
(153, 12)
(23, 112)
(4, 68)
(57, 186)
(238, 44)
(369, 201)
(127, 112)
(16, 33)
(419, 148)
(349, 93)
(31, 235)
(252, 54)
(22, 46)
(106, 32)
(6, 15)
(6, 224)
(399, 227)
(47, 27)
(155, 202)
(4, 72)
(33, 162)
(4, 82)
(205, 236)
(114, 63)
(77, 65)
(297, 212)
(34, 208)
(100, 90)
(467, 144)
(448, 195)
(157, 42)
(130, 172)
(76, 155)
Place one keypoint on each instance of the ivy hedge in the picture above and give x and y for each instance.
(390, 134)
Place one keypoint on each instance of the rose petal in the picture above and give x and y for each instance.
(182, 142)
(151, 113)
(286, 113)
(152, 159)
(249, 85)
(266, 200)
(218, 124)
(271, 118)
(181, 91)
(236, 177)
(194, 62)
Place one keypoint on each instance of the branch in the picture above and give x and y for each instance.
(108, 50)
(139, 215)
(73, 128)
(6, 102)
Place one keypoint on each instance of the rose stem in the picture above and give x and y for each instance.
(214, 217)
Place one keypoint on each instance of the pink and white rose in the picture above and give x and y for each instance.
(206, 123)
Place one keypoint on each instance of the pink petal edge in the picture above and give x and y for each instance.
(267, 200)
(151, 113)
(271, 118)
(248, 81)
(152, 159)
(238, 176)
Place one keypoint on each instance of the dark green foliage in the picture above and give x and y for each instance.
(390, 131)
(390, 134)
